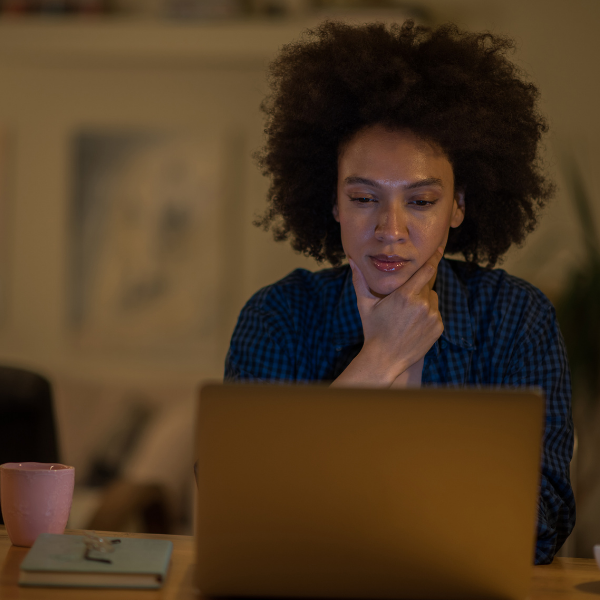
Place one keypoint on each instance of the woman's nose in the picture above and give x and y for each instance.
(391, 224)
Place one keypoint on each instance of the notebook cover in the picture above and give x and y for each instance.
(62, 555)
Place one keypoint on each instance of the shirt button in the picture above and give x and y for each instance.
(338, 348)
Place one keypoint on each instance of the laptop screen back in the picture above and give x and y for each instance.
(308, 491)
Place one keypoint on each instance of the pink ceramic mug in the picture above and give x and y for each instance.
(36, 498)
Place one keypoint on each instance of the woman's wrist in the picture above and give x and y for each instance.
(411, 377)
(370, 369)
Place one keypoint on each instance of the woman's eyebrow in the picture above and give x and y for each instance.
(353, 179)
(424, 183)
(410, 186)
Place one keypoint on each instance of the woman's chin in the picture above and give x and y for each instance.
(384, 287)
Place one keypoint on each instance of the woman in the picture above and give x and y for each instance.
(389, 147)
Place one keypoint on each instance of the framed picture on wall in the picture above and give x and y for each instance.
(144, 271)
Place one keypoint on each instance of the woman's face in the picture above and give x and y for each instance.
(395, 204)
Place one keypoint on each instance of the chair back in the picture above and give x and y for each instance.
(27, 424)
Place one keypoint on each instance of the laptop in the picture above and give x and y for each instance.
(314, 492)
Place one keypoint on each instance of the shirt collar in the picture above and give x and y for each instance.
(453, 303)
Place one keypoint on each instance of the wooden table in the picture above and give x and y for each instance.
(565, 578)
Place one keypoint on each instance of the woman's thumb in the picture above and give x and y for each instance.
(360, 283)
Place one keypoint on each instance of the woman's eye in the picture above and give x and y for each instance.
(362, 200)
(422, 202)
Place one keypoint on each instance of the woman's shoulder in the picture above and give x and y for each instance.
(503, 303)
(283, 331)
(301, 290)
(487, 285)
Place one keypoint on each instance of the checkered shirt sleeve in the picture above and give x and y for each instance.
(540, 360)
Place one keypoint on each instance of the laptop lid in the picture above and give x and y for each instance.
(309, 491)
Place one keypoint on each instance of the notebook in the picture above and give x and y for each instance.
(308, 491)
(58, 561)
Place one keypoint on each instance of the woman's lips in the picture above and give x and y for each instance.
(387, 263)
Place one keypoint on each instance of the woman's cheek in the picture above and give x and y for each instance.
(435, 232)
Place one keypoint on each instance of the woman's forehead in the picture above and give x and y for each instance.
(380, 153)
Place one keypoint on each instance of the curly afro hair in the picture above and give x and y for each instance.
(452, 88)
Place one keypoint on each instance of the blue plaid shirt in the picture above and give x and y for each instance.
(498, 330)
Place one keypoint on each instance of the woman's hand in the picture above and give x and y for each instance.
(398, 329)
